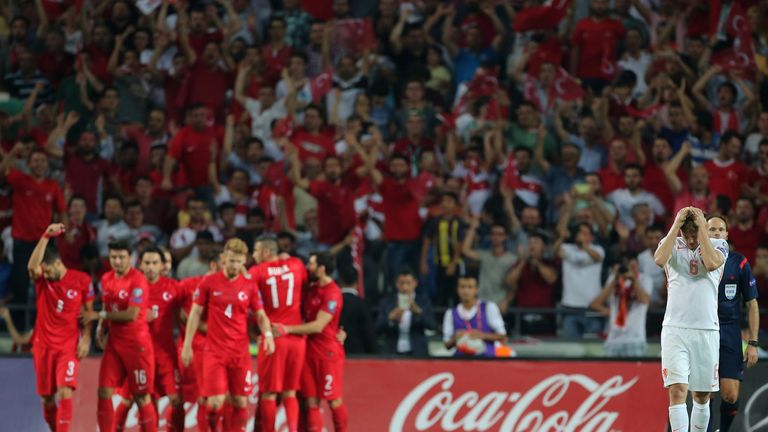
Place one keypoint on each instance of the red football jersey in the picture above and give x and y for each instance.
(120, 294)
(187, 288)
(325, 298)
(280, 284)
(164, 300)
(59, 304)
(228, 303)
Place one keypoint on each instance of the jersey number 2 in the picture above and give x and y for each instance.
(273, 287)
(693, 267)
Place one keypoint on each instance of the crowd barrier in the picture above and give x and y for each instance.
(391, 395)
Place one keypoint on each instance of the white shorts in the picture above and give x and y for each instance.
(690, 356)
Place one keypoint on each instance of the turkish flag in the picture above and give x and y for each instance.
(484, 83)
(643, 114)
(511, 177)
(283, 127)
(737, 23)
(733, 59)
(321, 85)
(354, 36)
(566, 87)
(541, 17)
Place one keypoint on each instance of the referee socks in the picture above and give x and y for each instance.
(728, 413)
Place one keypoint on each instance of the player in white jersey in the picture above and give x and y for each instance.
(690, 337)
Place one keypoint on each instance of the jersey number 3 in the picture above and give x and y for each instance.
(693, 267)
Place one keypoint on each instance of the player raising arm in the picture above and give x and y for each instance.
(690, 338)
(322, 377)
(61, 294)
(228, 296)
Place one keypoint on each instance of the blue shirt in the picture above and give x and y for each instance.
(737, 285)
(466, 63)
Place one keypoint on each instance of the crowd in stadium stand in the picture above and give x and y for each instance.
(542, 146)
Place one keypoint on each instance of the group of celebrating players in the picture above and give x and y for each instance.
(295, 307)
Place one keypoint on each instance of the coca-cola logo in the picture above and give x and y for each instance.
(432, 405)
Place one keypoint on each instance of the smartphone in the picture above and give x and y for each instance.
(581, 188)
(403, 301)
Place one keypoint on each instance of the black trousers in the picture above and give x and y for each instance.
(19, 281)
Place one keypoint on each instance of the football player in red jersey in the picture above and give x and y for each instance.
(228, 296)
(61, 295)
(128, 352)
(322, 377)
(164, 302)
(280, 283)
(192, 377)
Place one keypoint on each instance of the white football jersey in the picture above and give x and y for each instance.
(692, 290)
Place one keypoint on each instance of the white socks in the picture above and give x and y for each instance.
(699, 417)
(678, 418)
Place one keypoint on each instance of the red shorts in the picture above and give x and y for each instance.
(227, 374)
(167, 377)
(124, 391)
(281, 371)
(135, 365)
(54, 368)
(322, 378)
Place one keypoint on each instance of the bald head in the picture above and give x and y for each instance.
(717, 228)
(265, 250)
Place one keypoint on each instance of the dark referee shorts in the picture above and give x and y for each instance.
(731, 354)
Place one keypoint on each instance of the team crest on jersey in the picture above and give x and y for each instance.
(730, 291)
(167, 296)
(242, 296)
(137, 292)
(332, 305)
(71, 294)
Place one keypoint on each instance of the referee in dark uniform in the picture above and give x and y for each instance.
(737, 286)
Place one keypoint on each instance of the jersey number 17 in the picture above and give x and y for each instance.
(288, 277)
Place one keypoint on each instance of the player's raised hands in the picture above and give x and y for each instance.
(54, 230)
(681, 215)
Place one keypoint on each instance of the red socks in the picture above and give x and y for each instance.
(291, 405)
(49, 413)
(314, 420)
(226, 416)
(105, 415)
(178, 416)
(64, 415)
(239, 419)
(339, 418)
(268, 412)
(213, 418)
(121, 415)
(202, 416)
(148, 418)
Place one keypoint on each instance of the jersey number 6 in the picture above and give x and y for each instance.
(693, 267)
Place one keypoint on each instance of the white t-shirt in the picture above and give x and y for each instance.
(648, 267)
(634, 326)
(261, 119)
(581, 275)
(692, 290)
(624, 200)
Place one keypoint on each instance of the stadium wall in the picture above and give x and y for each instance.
(446, 395)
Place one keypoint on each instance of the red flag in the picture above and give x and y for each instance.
(448, 119)
(566, 87)
(484, 83)
(321, 85)
(283, 127)
(541, 17)
(737, 23)
(645, 113)
(511, 175)
(732, 59)
(358, 242)
(354, 36)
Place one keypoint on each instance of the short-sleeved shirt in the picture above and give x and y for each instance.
(335, 208)
(624, 200)
(692, 290)
(59, 305)
(187, 288)
(33, 204)
(581, 275)
(596, 40)
(192, 149)
(164, 302)
(737, 285)
(326, 298)
(280, 283)
(493, 269)
(228, 303)
(401, 210)
(120, 293)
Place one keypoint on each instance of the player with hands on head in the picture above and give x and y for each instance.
(690, 338)
(58, 345)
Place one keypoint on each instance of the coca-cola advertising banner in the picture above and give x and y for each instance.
(431, 395)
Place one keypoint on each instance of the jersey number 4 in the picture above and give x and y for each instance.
(273, 287)
(693, 267)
